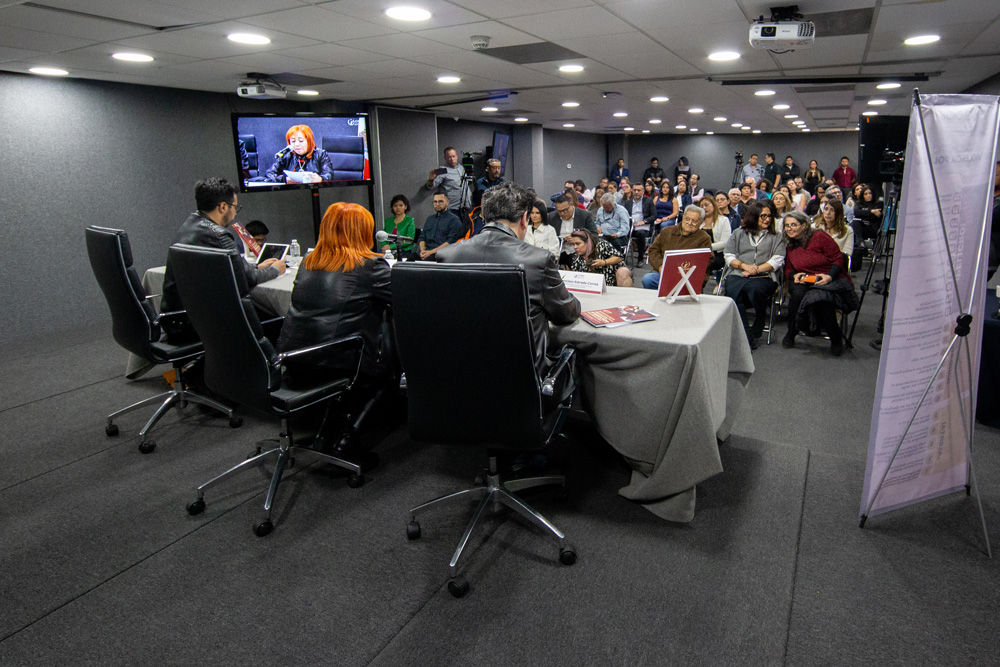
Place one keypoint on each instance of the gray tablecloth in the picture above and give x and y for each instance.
(662, 392)
(659, 392)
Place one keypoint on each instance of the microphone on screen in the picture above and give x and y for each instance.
(282, 152)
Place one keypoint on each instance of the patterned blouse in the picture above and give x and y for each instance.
(604, 251)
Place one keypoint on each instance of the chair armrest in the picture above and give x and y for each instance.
(350, 343)
(562, 367)
(168, 315)
(151, 296)
(272, 321)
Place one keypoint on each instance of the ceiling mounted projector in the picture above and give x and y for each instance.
(786, 31)
(261, 90)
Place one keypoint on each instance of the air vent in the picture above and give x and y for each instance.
(537, 52)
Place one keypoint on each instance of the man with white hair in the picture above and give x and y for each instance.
(613, 221)
(686, 236)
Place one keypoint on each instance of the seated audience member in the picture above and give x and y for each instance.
(718, 228)
(766, 187)
(613, 191)
(540, 233)
(506, 210)
(217, 208)
(649, 189)
(440, 230)
(568, 185)
(747, 197)
(736, 208)
(869, 211)
(595, 255)
(834, 192)
(682, 198)
(855, 196)
(568, 217)
(613, 222)
(755, 192)
(686, 236)
(643, 214)
(663, 206)
(620, 171)
(595, 203)
(722, 204)
(491, 177)
(258, 231)
(399, 223)
(812, 208)
(343, 289)
(653, 172)
(695, 189)
(681, 178)
(832, 221)
(798, 198)
(811, 254)
(301, 155)
(576, 197)
(782, 206)
(754, 254)
(589, 195)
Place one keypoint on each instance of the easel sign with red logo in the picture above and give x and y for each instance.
(682, 270)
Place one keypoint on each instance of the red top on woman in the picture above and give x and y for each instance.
(816, 257)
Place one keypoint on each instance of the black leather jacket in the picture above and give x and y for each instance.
(548, 299)
(327, 305)
(319, 163)
(200, 231)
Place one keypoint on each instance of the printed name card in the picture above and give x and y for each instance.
(585, 283)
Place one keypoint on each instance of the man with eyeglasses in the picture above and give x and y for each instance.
(209, 227)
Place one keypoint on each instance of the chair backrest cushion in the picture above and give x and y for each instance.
(239, 360)
(465, 343)
(133, 318)
(347, 155)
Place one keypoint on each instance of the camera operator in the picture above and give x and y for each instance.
(453, 180)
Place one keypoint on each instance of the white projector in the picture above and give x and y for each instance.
(261, 91)
(782, 35)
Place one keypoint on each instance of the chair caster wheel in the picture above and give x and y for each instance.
(235, 422)
(111, 430)
(567, 556)
(356, 481)
(147, 446)
(458, 586)
(263, 527)
(413, 531)
(197, 507)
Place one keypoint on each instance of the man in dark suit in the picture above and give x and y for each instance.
(568, 216)
(642, 212)
(505, 209)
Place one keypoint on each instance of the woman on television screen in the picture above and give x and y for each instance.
(310, 164)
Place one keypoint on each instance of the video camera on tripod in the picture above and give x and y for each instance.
(469, 160)
(892, 164)
(739, 159)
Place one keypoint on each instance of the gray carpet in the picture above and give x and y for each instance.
(101, 564)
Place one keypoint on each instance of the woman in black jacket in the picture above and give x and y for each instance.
(301, 155)
(342, 289)
(869, 211)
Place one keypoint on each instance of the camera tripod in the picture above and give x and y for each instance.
(885, 243)
(737, 170)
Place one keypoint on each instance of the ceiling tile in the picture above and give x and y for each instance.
(270, 63)
(404, 45)
(318, 24)
(70, 25)
(145, 12)
(8, 54)
(210, 41)
(572, 23)
(519, 7)
(233, 9)
(656, 15)
(20, 38)
(443, 13)
(334, 54)
(459, 35)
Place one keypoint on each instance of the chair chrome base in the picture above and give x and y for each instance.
(180, 395)
(495, 492)
(284, 455)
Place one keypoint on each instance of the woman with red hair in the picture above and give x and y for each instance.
(300, 155)
(342, 289)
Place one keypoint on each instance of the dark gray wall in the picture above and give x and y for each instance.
(474, 137)
(84, 152)
(410, 136)
(586, 155)
(712, 157)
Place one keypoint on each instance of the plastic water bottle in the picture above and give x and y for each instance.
(388, 255)
(293, 253)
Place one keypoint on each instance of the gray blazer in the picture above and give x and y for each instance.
(549, 301)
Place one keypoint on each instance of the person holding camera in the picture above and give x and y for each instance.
(453, 180)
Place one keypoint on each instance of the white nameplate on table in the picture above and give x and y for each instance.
(587, 283)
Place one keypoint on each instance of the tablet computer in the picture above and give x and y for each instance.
(272, 251)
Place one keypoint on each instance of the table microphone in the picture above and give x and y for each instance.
(382, 236)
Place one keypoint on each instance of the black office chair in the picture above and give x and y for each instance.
(250, 144)
(483, 390)
(347, 155)
(136, 327)
(242, 365)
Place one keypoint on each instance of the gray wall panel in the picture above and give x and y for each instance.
(407, 142)
(585, 153)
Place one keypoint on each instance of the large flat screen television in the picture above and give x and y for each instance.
(286, 152)
(501, 142)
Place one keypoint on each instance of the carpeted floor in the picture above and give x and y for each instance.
(101, 565)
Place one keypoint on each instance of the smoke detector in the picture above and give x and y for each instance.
(480, 42)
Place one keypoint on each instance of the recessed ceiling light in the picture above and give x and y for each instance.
(132, 57)
(710, 133)
(645, 131)
(869, 113)
(571, 68)
(798, 122)
(659, 98)
(755, 132)
(919, 40)
(655, 121)
(620, 114)
(696, 110)
(247, 38)
(888, 86)
(876, 103)
(737, 124)
(745, 127)
(780, 107)
(48, 71)
(308, 93)
(681, 127)
(408, 13)
(791, 115)
(520, 119)
(722, 56)
(806, 129)
(490, 109)
(571, 104)
(568, 125)
(692, 129)
(629, 129)
(720, 119)
(764, 93)
(449, 79)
